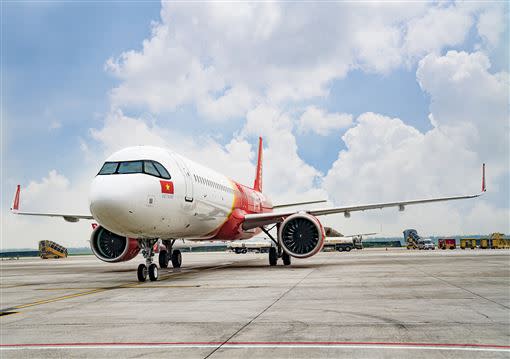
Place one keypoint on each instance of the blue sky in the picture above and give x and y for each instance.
(54, 71)
(57, 87)
(53, 68)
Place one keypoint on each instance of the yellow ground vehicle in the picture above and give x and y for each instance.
(499, 241)
(468, 243)
(495, 241)
(50, 249)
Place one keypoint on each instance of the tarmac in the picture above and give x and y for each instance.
(371, 303)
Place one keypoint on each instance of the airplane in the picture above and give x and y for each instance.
(145, 194)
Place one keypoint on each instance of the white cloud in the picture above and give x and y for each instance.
(317, 120)
(491, 25)
(386, 159)
(439, 27)
(226, 60)
(471, 101)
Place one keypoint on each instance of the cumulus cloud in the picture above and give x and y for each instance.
(385, 159)
(322, 123)
(491, 25)
(226, 60)
(470, 101)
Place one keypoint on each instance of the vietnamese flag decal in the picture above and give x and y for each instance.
(167, 187)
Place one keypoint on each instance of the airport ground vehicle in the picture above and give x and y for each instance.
(144, 194)
(468, 243)
(414, 241)
(340, 243)
(50, 249)
(248, 246)
(446, 243)
(495, 241)
(426, 244)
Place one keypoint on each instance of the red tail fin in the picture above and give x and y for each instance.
(15, 205)
(483, 178)
(257, 186)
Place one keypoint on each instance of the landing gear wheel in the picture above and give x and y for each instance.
(176, 258)
(286, 259)
(164, 258)
(273, 256)
(153, 272)
(142, 273)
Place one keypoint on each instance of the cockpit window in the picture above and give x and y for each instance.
(162, 170)
(130, 167)
(149, 167)
(109, 168)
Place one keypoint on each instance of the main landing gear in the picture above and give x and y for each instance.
(276, 252)
(148, 268)
(165, 257)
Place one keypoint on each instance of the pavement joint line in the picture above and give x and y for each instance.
(100, 290)
(462, 288)
(262, 312)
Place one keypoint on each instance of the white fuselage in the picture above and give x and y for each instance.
(137, 205)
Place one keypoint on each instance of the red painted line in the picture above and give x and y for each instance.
(446, 345)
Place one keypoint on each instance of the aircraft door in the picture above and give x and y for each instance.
(188, 181)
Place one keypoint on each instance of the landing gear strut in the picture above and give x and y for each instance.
(276, 251)
(149, 268)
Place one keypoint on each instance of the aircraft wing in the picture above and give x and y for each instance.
(262, 219)
(66, 217)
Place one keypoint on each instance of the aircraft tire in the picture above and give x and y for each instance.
(286, 259)
(273, 256)
(153, 272)
(176, 258)
(142, 273)
(164, 258)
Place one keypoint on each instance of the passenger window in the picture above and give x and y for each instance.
(150, 169)
(130, 167)
(109, 168)
(162, 170)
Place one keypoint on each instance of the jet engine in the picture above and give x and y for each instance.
(301, 235)
(111, 247)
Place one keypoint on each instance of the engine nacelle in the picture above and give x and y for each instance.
(111, 247)
(301, 235)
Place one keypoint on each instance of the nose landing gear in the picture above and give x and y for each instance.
(148, 268)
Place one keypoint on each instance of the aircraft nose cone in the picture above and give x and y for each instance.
(112, 203)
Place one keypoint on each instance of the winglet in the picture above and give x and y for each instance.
(257, 186)
(15, 205)
(483, 178)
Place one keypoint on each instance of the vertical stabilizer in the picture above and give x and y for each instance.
(257, 186)
(15, 204)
